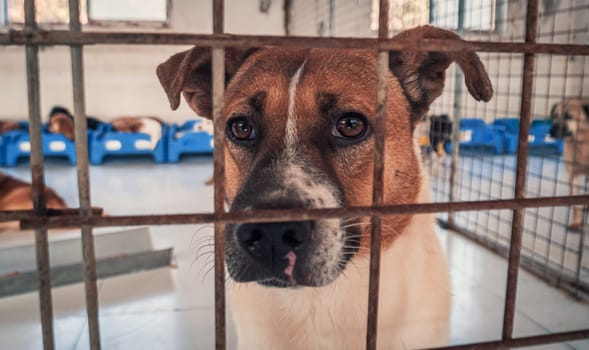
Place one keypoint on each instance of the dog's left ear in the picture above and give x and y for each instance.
(422, 73)
(189, 73)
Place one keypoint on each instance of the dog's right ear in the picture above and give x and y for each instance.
(422, 74)
(189, 73)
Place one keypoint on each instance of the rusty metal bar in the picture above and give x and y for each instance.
(81, 137)
(378, 176)
(523, 341)
(38, 182)
(299, 214)
(218, 90)
(520, 175)
(16, 215)
(456, 116)
(60, 37)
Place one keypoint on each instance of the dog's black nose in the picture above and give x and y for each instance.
(558, 131)
(269, 243)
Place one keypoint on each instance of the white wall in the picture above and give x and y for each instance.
(119, 79)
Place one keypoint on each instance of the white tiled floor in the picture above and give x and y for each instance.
(171, 308)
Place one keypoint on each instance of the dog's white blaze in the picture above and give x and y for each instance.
(320, 195)
(290, 138)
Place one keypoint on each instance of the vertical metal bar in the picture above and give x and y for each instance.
(218, 16)
(456, 116)
(38, 182)
(218, 71)
(81, 137)
(520, 177)
(378, 175)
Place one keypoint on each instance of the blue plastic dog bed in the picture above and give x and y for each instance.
(539, 140)
(17, 144)
(188, 138)
(2, 151)
(108, 142)
(477, 138)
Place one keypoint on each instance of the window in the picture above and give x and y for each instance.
(91, 12)
(476, 14)
(128, 10)
(403, 14)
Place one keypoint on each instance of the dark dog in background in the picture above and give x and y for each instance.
(440, 133)
(570, 122)
(61, 121)
(17, 195)
(434, 136)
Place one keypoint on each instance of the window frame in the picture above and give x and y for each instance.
(6, 23)
(498, 18)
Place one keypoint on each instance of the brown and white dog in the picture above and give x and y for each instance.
(300, 135)
(17, 195)
(570, 121)
(61, 121)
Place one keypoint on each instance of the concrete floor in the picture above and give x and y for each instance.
(172, 308)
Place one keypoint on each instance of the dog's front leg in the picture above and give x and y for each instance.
(577, 220)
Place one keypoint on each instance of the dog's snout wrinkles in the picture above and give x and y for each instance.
(269, 243)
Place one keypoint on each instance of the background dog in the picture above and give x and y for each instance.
(6, 126)
(17, 195)
(570, 121)
(62, 121)
(300, 135)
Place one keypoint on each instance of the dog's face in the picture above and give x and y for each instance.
(61, 123)
(569, 118)
(299, 134)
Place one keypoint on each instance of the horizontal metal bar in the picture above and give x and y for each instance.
(523, 341)
(16, 215)
(61, 37)
(299, 214)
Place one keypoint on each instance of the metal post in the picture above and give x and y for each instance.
(81, 137)
(378, 183)
(218, 71)
(520, 176)
(38, 183)
(456, 116)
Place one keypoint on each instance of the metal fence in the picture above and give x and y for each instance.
(86, 218)
(550, 248)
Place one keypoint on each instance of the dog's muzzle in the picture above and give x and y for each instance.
(559, 131)
(275, 247)
(295, 253)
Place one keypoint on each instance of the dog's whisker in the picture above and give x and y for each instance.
(198, 231)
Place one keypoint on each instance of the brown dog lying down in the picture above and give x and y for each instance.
(61, 121)
(17, 195)
(300, 134)
(6, 126)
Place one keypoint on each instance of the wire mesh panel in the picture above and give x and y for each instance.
(480, 157)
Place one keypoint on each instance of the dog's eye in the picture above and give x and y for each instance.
(350, 126)
(240, 129)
